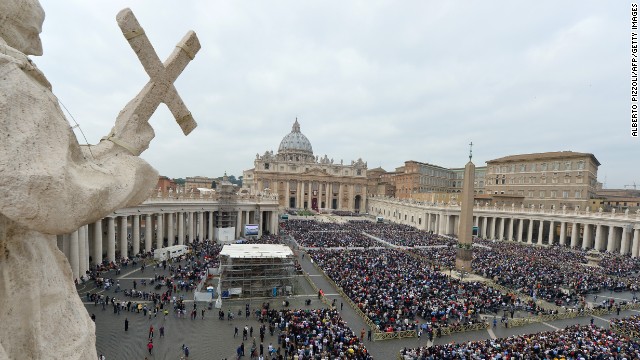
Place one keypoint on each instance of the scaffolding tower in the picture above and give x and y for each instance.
(257, 270)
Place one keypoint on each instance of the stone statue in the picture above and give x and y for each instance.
(170, 192)
(50, 185)
(159, 192)
(626, 212)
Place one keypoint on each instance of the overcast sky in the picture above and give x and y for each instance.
(385, 81)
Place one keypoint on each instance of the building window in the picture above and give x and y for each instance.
(543, 167)
(541, 194)
(513, 168)
(581, 165)
(520, 192)
(567, 165)
(567, 179)
(533, 167)
(523, 168)
(556, 166)
(553, 194)
(266, 166)
(578, 194)
(358, 172)
(579, 179)
(530, 193)
(565, 194)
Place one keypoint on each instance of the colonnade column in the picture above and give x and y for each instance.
(446, 224)
(122, 237)
(82, 251)
(171, 237)
(287, 196)
(97, 242)
(611, 243)
(492, 229)
(429, 222)
(563, 233)
(260, 223)
(501, 234)
(136, 234)
(510, 231)
(181, 228)
(540, 231)
(484, 227)
(624, 243)
(210, 231)
(530, 232)
(634, 243)
(148, 233)
(520, 229)
(340, 189)
(200, 234)
(552, 232)
(238, 223)
(74, 256)
(160, 231)
(190, 229)
(111, 238)
(575, 233)
(598, 244)
(586, 240)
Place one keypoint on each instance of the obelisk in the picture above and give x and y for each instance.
(464, 254)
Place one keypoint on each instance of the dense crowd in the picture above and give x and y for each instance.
(393, 289)
(574, 342)
(314, 334)
(627, 325)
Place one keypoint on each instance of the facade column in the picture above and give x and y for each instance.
(510, 229)
(563, 233)
(530, 232)
(520, 229)
(87, 264)
(66, 244)
(74, 255)
(484, 227)
(298, 196)
(599, 240)
(247, 217)
(340, 190)
(309, 194)
(611, 241)
(136, 234)
(122, 237)
(624, 242)
(200, 235)
(287, 197)
(111, 238)
(352, 194)
(260, 222)
(428, 216)
(190, 227)
(586, 240)
(148, 233)
(82, 251)
(210, 230)
(575, 233)
(159, 231)
(552, 231)
(171, 237)
(501, 234)
(97, 242)
(634, 243)
(540, 231)
(181, 228)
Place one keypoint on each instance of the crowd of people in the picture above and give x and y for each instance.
(306, 334)
(573, 342)
(627, 325)
(396, 290)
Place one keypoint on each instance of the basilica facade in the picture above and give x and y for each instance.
(303, 180)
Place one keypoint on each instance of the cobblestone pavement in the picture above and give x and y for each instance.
(210, 338)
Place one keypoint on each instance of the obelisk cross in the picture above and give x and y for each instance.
(162, 76)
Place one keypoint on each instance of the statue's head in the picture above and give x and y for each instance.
(21, 24)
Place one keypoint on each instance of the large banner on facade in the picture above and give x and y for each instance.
(251, 230)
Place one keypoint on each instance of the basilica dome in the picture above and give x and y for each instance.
(295, 142)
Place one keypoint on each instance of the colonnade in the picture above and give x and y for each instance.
(130, 232)
(336, 195)
(615, 233)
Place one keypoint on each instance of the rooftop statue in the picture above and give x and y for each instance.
(50, 185)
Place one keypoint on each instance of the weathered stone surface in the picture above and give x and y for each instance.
(50, 185)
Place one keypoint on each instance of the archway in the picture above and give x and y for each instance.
(356, 205)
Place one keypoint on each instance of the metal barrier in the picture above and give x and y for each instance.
(394, 335)
(569, 315)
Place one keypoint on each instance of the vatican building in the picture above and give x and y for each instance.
(303, 180)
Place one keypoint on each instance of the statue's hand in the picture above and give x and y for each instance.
(131, 133)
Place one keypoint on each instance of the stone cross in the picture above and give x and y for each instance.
(162, 75)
